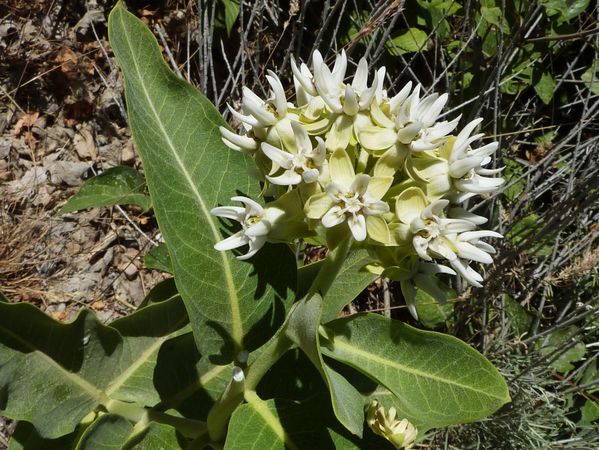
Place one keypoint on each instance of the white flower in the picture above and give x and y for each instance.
(329, 84)
(416, 121)
(466, 165)
(303, 163)
(263, 120)
(434, 236)
(349, 197)
(255, 226)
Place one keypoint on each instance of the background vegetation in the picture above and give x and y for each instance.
(529, 68)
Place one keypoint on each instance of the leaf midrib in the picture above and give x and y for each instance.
(377, 359)
(258, 405)
(237, 331)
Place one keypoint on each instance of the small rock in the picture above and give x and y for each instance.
(108, 256)
(68, 172)
(84, 144)
(98, 305)
(128, 154)
(131, 271)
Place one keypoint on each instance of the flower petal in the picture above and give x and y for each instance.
(288, 178)
(360, 80)
(376, 208)
(377, 138)
(378, 230)
(278, 156)
(239, 239)
(280, 100)
(378, 187)
(340, 133)
(350, 105)
(421, 245)
(360, 184)
(260, 228)
(407, 134)
(229, 212)
(242, 141)
(310, 176)
(333, 217)
(409, 204)
(317, 205)
(357, 226)
(341, 169)
(466, 250)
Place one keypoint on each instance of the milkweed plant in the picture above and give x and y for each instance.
(245, 347)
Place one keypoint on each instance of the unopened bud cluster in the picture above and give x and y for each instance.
(401, 433)
(346, 160)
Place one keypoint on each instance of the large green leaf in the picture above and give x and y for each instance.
(352, 279)
(198, 383)
(25, 437)
(119, 185)
(108, 432)
(302, 329)
(65, 371)
(438, 379)
(283, 424)
(231, 304)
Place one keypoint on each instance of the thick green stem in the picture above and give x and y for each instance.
(330, 268)
(219, 415)
(187, 427)
(273, 350)
(131, 411)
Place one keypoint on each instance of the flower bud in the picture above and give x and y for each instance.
(401, 433)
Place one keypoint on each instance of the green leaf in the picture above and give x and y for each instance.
(513, 171)
(413, 40)
(109, 431)
(431, 313)
(302, 329)
(591, 77)
(590, 413)
(520, 319)
(156, 436)
(119, 185)
(25, 437)
(438, 379)
(351, 280)
(199, 383)
(65, 371)
(565, 9)
(158, 258)
(165, 290)
(231, 13)
(552, 347)
(544, 86)
(283, 424)
(292, 376)
(232, 304)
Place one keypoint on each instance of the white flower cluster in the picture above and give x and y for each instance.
(347, 158)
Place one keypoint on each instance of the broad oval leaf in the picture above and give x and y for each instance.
(438, 379)
(119, 185)
(108, 432)
(283, 424)
(65, 371)
(232, 304)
